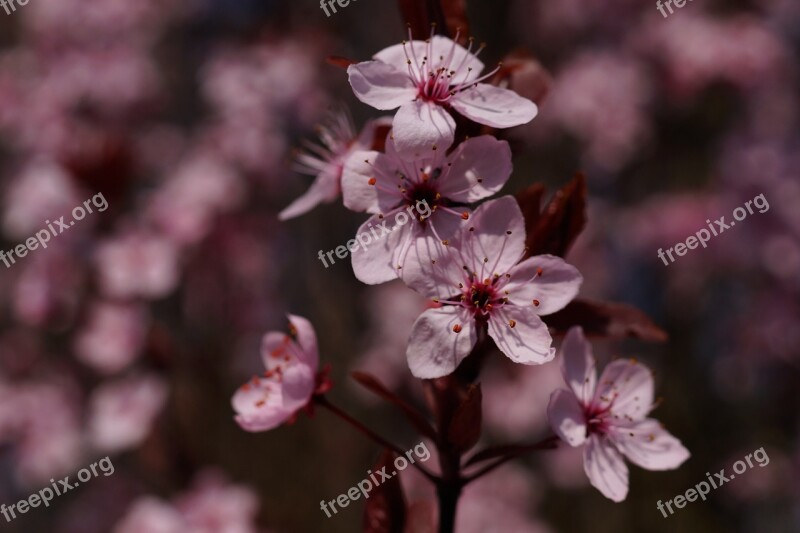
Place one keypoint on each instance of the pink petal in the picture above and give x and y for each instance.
(494, 106)
(381, 86)
(558, 284)
(297, 386)
(499, 236)
(431, 269)
(380, 197)
(435, 349)
(528, 342)
(578, 365)
(440, 47)
(273, 343)
(629, 385)
(648, 445)
(384, 253)
(259, 406)
(605, 468)
(324, 189)
(567, 417)
(307, 340)
(419, 127)
(480, 168)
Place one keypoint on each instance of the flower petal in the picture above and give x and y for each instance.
(528, 341)
(324, 189)
(557, 285)
(297, 386)
(480, 168)
(468, 66)
(306, 338)
(381, 86)
(605, 468)
(259, 405)
(435, 349)
(420, 127)
(578, 365)
(649, 445)
(499, 237)
(378, 254)
(628, 385)
(494, 106)
(431, 269)
(566, 417)
(359, 194)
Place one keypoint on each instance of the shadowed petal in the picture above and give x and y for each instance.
(419, 126)
(439, 341)
(381, 86)
(494, 106)
(566, 417)
(606, 469)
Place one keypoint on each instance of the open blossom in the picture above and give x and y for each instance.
(428, 79)
(478, 279)
(291, 361)
(609, 417)
(385, 185)
(326, 161)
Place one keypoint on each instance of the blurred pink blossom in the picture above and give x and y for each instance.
(112, 337)
(137, 264)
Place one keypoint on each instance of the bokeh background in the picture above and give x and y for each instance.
(127, 336)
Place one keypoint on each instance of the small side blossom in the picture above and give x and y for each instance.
(385, 185)
(426, 80)
(289, 382)
(479, 282)
(609, 418)
(325, 161)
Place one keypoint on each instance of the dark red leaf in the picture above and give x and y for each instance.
(465, 427)
(385, 510)
(341, 62)
(416, 418)
(525, 76)
(379, 139)
(449, 16)
(607, 320)
(555, 229)
(455, 17)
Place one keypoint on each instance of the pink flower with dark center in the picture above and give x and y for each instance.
(610, 418)
(427, 191)
(287, 386)
(480, 283)
(428, 79)
(326, 160)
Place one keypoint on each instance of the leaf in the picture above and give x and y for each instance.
(555, 229)
(465, 427)
(416, 418)
(385, 510)
(525, 75)
(607, 320)
(455, 17)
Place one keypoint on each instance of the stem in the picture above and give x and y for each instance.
(448, 494)
(324, 402)
(546, 444)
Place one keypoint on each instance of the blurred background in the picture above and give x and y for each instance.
(127, 336)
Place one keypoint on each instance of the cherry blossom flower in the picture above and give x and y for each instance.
(326, 161)
(609, 417)
(385, 185)
(138, 264)
(291, 361)
(478, 279)
(428, 79)
(113, 336)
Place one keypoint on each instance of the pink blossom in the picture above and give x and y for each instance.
(113, 336)
(151, 515)
(478, 279)
(291, 361)
(326, 161)
(121, 413)
(138, 264)
(428, 79)
(609, 417)
(386, 185)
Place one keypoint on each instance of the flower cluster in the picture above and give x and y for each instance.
(471, 260)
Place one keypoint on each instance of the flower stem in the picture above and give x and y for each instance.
(324, 402)
(546, 444)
